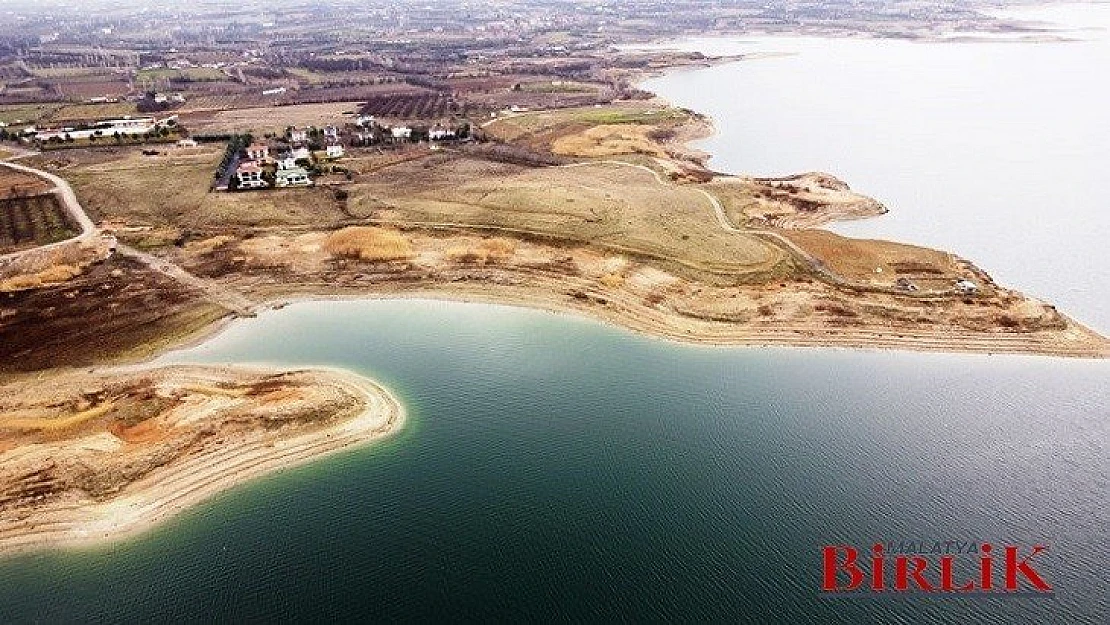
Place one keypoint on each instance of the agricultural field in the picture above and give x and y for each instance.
(188, 74)
(14, 183)
(591, 131)
(423, 106)
(92, 111)
(34, 220)
(29, 113)
(268, 119)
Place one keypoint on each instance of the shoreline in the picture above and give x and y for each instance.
(169, 490)
(656, 326)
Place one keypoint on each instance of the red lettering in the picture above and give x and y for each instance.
(848, 565)
(1013, 566)
(946, 576)
(985, 564)
(877, 574)
(902, 574)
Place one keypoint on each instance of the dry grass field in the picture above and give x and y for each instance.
(269, 119)
(92, 111)
(878, 262)
(603, 205)
(172, 189)
(26, 113)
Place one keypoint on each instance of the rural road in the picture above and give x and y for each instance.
(68, 199)
(216, 293)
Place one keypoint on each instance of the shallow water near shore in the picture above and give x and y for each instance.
(556, 468)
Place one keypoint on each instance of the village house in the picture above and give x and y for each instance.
(250, 175)
(300, 152)
(292, 177)
(364, 121)
(258, 152)
(401, 132)
(187, 143)
(440, 134)
(334, 150)
(298, 135)
(286, 161)
(331, 133)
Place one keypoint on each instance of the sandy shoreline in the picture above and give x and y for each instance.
(170, 489)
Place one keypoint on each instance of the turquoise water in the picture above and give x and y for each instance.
(557, 469)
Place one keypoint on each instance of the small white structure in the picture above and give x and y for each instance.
(966, 287)
(286, 161)
(401, 132)
(258, 151)
(276, 91)
(186, 143)
(298, 135)
(335, 150)
(300, 152)
(441, 134)
(249, 175)
(364, 121)
(331, 132)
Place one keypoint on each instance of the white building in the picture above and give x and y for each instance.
(440, 134)
(298, 135)
(292, 177)
(250, 175)
(401, 132)
(286, 161)
(258, 152)
(335, 150)
(301, 152)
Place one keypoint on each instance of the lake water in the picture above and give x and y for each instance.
(996, 151)
(556, 469)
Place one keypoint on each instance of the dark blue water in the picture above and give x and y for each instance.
(555, 469)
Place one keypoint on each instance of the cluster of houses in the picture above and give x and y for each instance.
(290, 170)
(289, 164)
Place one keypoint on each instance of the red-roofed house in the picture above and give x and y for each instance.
(249, 175)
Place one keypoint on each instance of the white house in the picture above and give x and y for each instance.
(187, 143)
(249, 175)
(300, 152)
(292, 177)
(258, 152)
(364, 121)
(440, 134)
(331, 132)
(298, 135)
(335, 150)
(286, 161)
(401, 132)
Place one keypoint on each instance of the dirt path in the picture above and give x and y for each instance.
(216, 293)
(816, 265)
